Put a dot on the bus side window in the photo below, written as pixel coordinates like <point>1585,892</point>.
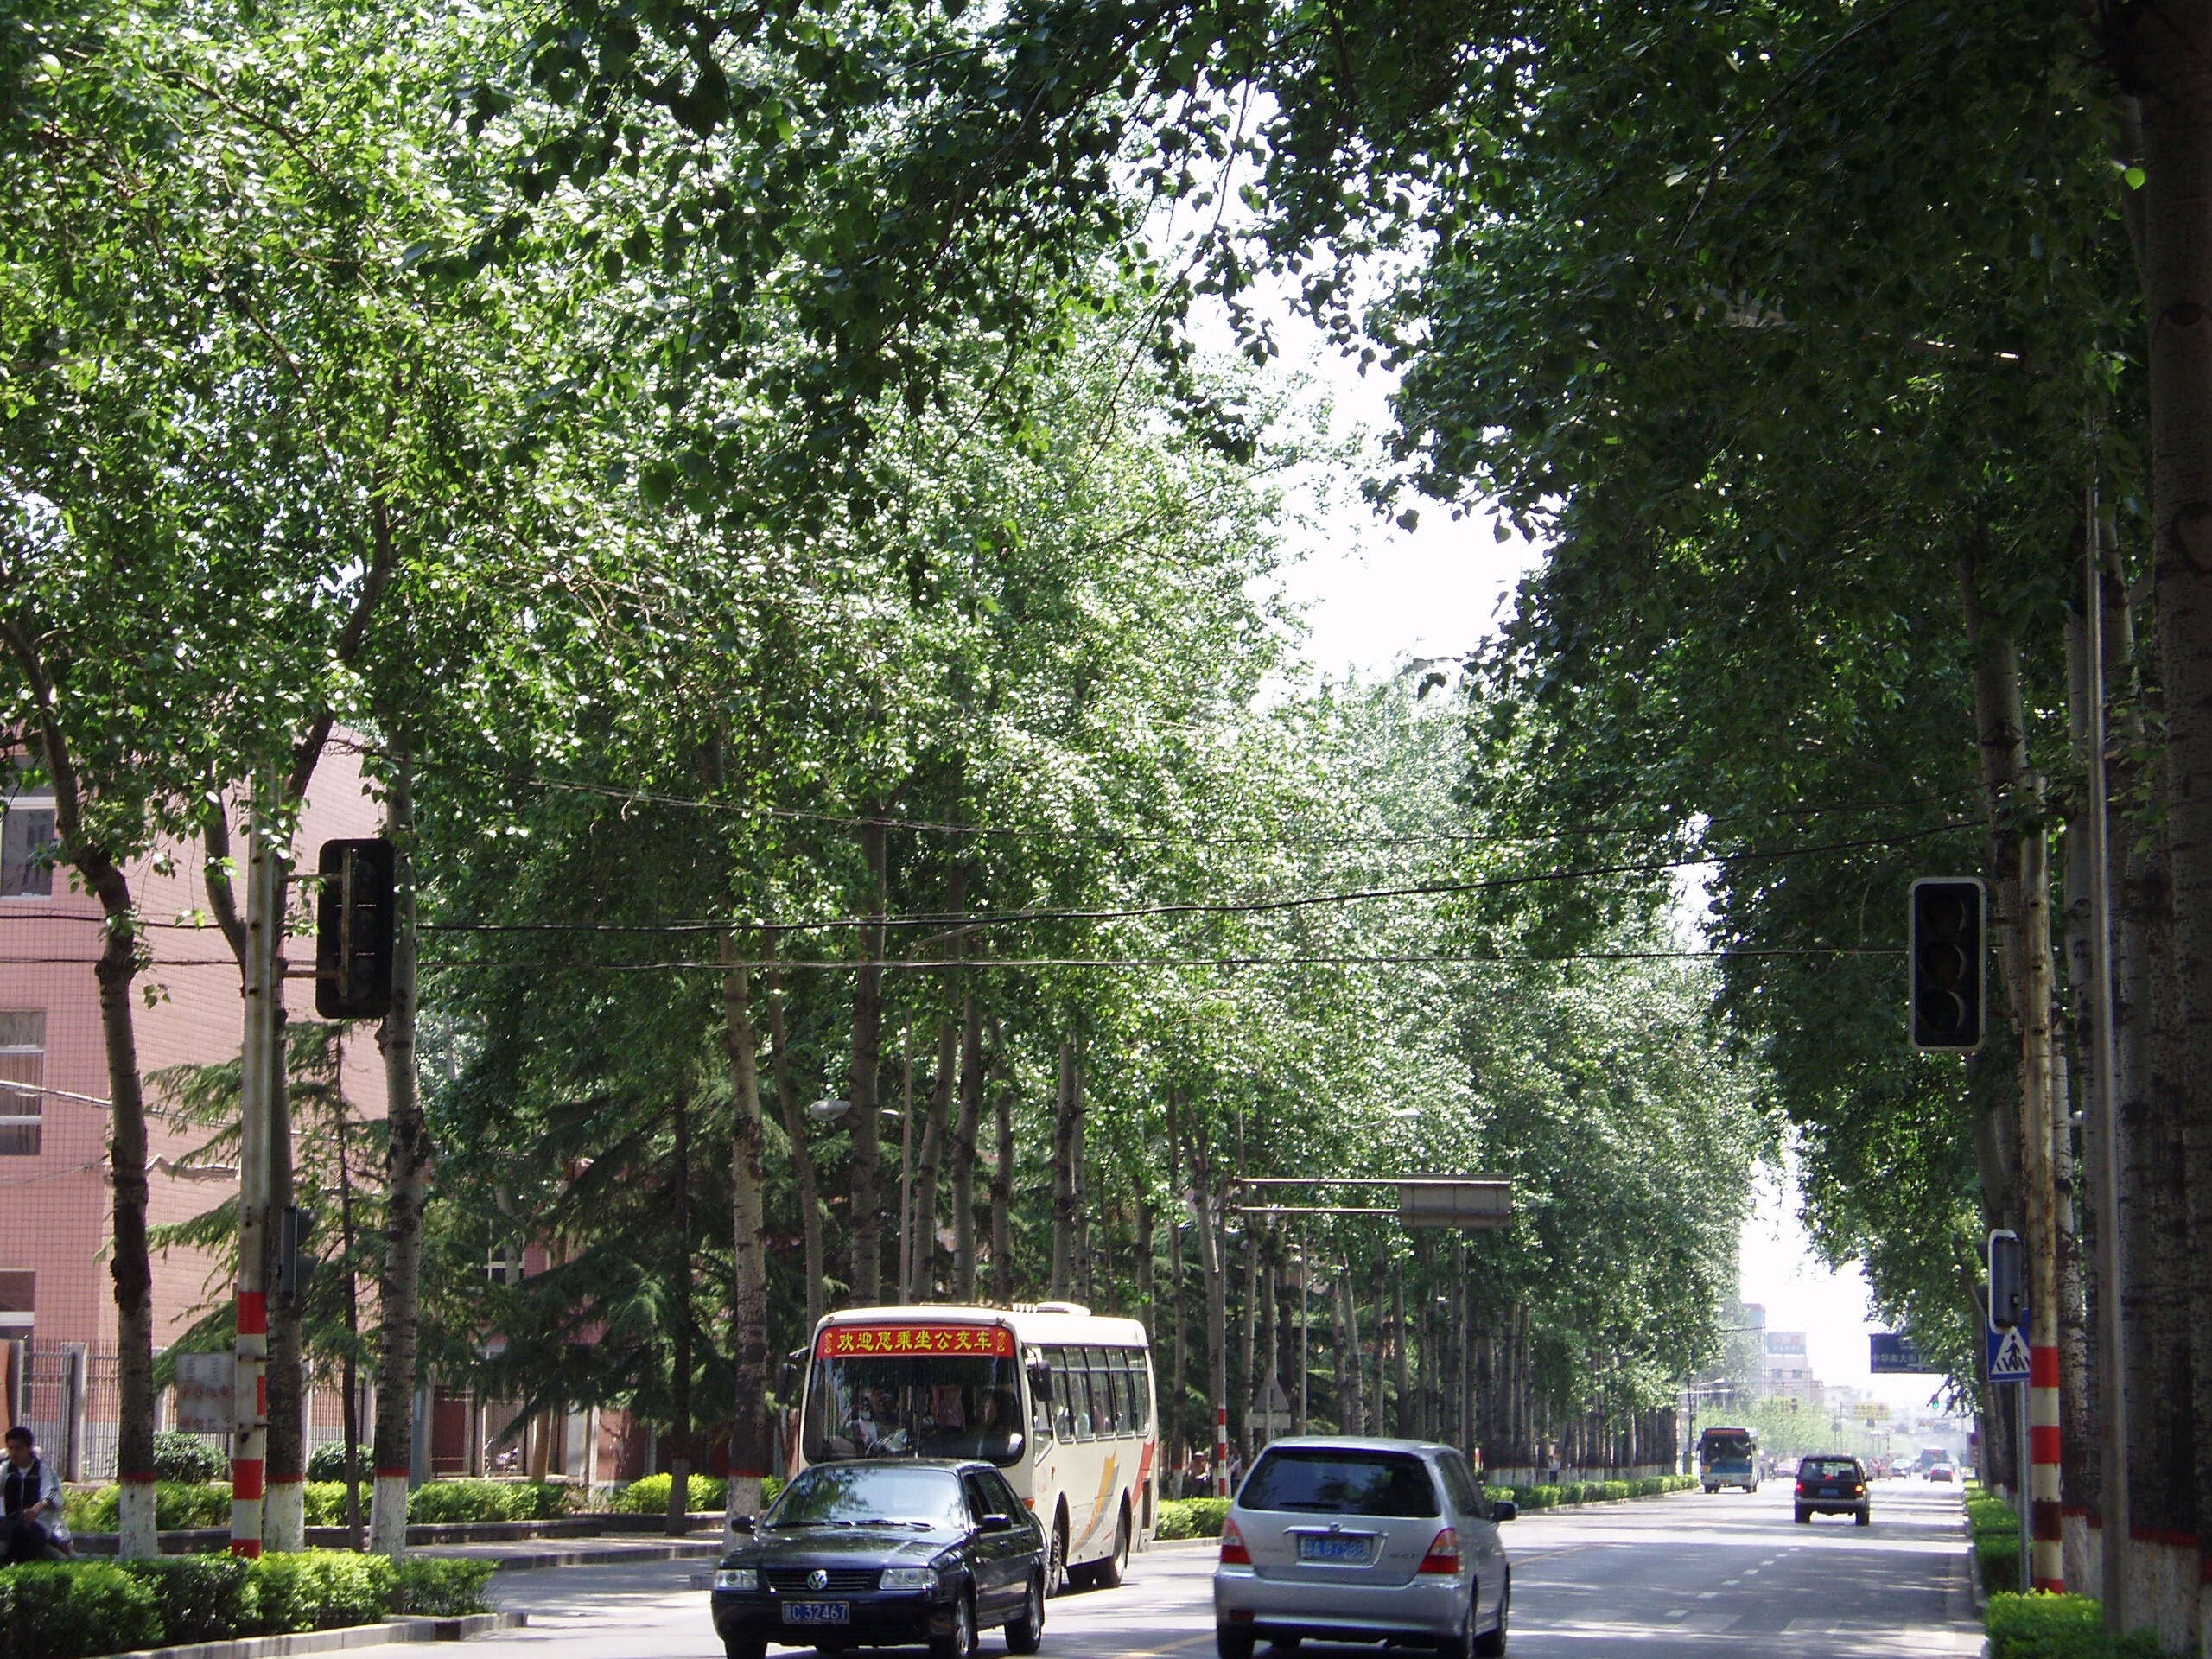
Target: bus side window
<point>1040,1401</point>
<point>1125,1398</point>
<point>1141,1374</point>
<point>1102,1392</point>
<point>1064,1408</point>
<point>1086,1395</point>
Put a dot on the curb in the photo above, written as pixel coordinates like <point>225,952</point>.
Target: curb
<point>540,1559</point>
<point>353,1636</point>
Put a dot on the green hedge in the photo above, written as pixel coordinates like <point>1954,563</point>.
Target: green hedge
<point>448,1502</point>
<point>2059,1627</point>
<point>1553,1494</point>
<point>79,1609</point>
<point>650,1495</point>
<point>1192,1517</point>
<point>178,1504</point>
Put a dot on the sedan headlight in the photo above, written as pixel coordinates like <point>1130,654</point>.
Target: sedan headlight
<point>737,1578</point>
<point>910,1578</point>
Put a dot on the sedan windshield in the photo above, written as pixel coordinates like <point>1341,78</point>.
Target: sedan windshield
<point>1321,1481</point>
<point>859,1495</point>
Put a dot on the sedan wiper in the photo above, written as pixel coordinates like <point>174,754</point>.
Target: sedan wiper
<point>886,1520</point>
<point>793,1526</point>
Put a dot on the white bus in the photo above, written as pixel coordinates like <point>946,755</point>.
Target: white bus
<point>1060,1398</point>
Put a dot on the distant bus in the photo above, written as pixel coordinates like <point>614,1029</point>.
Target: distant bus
<point>1060,1399</point>
<point>1728,1457</point>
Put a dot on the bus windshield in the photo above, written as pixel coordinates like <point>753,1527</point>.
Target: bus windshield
<point>912,1405</point>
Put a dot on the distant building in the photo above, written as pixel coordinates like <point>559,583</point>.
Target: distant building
<point>57,1304</point>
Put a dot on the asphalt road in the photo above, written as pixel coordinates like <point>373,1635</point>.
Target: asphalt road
<point>1682,1576</point>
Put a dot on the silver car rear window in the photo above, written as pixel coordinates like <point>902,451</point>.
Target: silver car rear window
<point>1315,1480</point>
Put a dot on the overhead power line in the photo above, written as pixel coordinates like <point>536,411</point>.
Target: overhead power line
<point>1409,959</point>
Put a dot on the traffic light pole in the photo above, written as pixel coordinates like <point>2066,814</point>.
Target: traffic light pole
<point>257,1077</point>
<point>2038,1129</point>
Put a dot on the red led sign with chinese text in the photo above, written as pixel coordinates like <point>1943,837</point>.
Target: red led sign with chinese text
<point>987,1340</point>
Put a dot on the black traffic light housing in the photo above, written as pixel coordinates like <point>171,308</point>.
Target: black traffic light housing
<point>2008,1282</point>
<point>353,929</point>
<point>1948,957</point>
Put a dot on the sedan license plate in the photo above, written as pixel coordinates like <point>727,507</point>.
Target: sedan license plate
<point>817,1613</point>
<point>1334,1549</point>
<point>1831,1491</point>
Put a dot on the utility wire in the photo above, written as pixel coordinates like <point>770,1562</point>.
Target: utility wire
<point>934,965</point>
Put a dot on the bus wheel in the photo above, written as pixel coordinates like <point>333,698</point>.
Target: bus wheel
<point>1056,1561</point>
<point>1110,1572</point>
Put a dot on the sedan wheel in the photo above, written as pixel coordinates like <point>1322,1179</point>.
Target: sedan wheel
<point>1232,1643</point>
<point>745,1647</point>
<point>1490,1644</point>
<point>1025,1633</point>
<point>1460,1644</point>
<point>961,1644</point>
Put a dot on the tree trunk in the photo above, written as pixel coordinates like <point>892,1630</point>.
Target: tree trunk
<point>406,1178</point>
<point>1404,1419</point>
<point>1172,1399</point>
<point>679,1462</point>
<point>965,1132</point>
<point>1067,1108</point>
<point>864,1225</point>
<point>935,1131</point>
<point>285,1522</point>
<point>128,1267</point>
<point>1002,1275</point>
<point>748,1435</point>
<point>2162,53</point>
<point>1265,1379</point>
<point>349,1375</point>
<point>1351,1419</point>
<point>1217,1279</point>
<point>804,1174</point>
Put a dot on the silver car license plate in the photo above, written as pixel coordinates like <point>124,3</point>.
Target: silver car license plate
<point>817,1613</point>
<point>1334,1549</point>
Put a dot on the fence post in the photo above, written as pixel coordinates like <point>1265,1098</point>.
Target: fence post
<point>72,1420</point>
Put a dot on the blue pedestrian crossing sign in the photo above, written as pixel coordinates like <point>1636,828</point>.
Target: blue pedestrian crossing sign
<point>2008,1355</point>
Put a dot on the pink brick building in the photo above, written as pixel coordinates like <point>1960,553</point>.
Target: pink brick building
<point>54,1287</point>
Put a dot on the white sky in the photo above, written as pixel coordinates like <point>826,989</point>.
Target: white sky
<point>1376,596</point>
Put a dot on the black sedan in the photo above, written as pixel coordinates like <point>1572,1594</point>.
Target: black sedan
<point>882,1555</point>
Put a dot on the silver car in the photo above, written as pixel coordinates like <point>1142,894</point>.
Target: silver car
<point>1355,1540</point>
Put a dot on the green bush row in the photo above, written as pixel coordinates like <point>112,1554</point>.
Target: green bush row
<point>78,1610</point>
<point>1192,1517</point>
<point>649,1495</point>
<point>2058,1627</point>
<point>179,1505</point>
<point>1552,1495</point>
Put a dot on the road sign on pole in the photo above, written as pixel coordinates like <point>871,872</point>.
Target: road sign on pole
<point>1891,1354</point>
<point>2008,1355</point>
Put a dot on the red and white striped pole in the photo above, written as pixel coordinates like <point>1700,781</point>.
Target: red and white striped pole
<point>2041,1123</point>
<point>257,1077</point>
<point>1221,1451</point>
<point>2049,1547</point>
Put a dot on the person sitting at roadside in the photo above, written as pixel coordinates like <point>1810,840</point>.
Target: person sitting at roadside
<point>30,1503</point>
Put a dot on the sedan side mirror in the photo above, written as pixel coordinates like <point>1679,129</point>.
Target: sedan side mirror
<point>1504,1509</point>
<point>995,1522</point>
<point>741,1523</point>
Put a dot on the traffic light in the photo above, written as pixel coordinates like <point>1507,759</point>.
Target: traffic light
<point>353,930</point>
<point>2008,1282</point>
<point>1948,958</point>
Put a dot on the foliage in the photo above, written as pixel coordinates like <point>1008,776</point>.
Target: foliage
<point>445,1502</point>
<point>178,1506</point>
<point>649,1495</point>
<point>427,1586</point>
<point>76,1610</point>
<point>1192,1517</point>
<point>327,1462</point>
<point>2059,1627</point>
<point>188,1458</point>
<point>322,1589</point>
<point>207,1598</point>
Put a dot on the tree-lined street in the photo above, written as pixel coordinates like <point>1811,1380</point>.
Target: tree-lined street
<point>1674,1578</point>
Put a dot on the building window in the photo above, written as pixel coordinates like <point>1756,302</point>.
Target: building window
<point>18,1297</point>
<point>26,830</point>
<point>22,1076</point>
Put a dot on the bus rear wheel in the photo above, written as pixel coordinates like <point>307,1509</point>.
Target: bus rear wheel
<point>1056,1559</point>
<point>1109,1574</point>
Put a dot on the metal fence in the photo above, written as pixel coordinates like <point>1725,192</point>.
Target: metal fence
<point>70,1396</point>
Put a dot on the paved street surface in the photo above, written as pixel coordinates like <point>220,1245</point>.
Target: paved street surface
<point>1681,1577</point>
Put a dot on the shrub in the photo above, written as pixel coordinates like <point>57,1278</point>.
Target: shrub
<point>1613,1490</point>
<point>75,1610</point>
<point>432,1588</point>
<point>451,1502</point>
<point>201,1597</point>
<point>325,1503</point>
<point>1192,1517</point>
<point>188,1458</point>
<point>321,1590</point>
<point>650,1495</point>
<point>327,1462</point>
<point>2059,1627</point>
<point>178,1504</point>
